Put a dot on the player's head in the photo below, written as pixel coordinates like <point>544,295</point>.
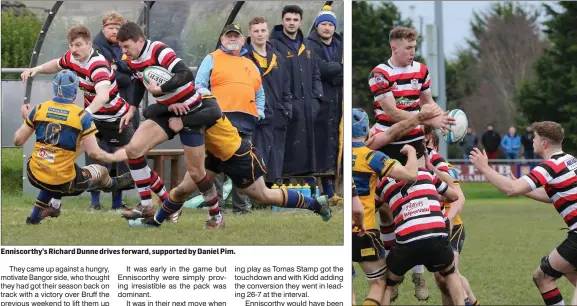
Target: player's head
<point>258,30</point>
<point>403,43</point>
<point>326,22</point>
<point>79,42</point>
<point>65,85</point>
<point>110,25</point>
<point>548,137</point>
<point>292,16</point>
<point>360,123</point>
<point>232,38</point>
<point>431,139</point>
<point>131,39</point>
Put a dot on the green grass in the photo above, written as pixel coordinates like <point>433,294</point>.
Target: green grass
<point>77,226</point>
<point>505,241</point>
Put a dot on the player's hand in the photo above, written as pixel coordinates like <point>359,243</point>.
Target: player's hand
<point>361,229</point>
<point>29,73</point>
<point>25,111</point>
<point>429,111</point>
<point>408,149</point>
<point>179,108</point>
<point>125,120</point>
<point>175,124</point>
<point>153,87</point>
<point>120,155</point>
<point>441,122</point>
<point>479,159</point>
<point>428,163</point>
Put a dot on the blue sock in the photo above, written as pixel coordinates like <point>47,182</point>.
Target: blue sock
<point>42,202</point>
<point>167,208</point>
<point>294,199</point>
<point>116,199</point>
<point>95,198</point>
<point>328,187</point>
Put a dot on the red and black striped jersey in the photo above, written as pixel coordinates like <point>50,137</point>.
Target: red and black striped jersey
<point>405,84</point>
<point>155,53</point>
<point>415,207</point>
<point>93,73</point>
<point>558,175</point>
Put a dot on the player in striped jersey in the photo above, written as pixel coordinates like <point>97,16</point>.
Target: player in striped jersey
<point>179,94</point>
<point>98,81</point>
<point>451,211</point>
<point>400,87</point>
<point>421,235</point>
<point>552,181</point>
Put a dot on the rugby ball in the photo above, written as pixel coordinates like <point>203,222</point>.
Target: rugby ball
<point>457,131</point>
<point>159,74</point>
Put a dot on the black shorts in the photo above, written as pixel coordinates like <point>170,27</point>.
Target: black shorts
<point>434,253</point>
<point>109,133</point>
<point>568,248</point>
<point>73,188</point>
<point>368,247</point>
<point>458,238</point>
<point>394,150</point>
<point>244,168</point>
<point>189,136</point>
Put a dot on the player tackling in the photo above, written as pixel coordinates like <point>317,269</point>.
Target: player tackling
<point>552,181</point>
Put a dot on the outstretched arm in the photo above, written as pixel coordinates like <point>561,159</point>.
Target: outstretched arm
<point>506,185</point>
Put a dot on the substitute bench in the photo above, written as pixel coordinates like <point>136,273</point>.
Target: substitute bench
<point>158,156</point>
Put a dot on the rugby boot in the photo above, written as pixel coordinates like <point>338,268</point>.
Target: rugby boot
<point>324,210</point>
<point>92,208</point>
<point>119,183</point>
<point>140,211</point>
<point>395,290</point>
<point>50,212</point>
<point>174,217</point>
<point>213,222</point>
<point>421,288</point>
<point>143,222</point>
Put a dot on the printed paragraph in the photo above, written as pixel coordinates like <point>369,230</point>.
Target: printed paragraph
<point>139,283</point>
<point>55,286</point>
<point>287,286</point>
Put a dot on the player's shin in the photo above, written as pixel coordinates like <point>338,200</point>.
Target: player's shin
<point>294,199</point>
<point>42,203</point>
<point>140,172</point>
<point>171,205</point>
<point>209,195</point>
<point>157,186</point>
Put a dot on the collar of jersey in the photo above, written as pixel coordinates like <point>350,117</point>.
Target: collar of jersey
<point>62,100</point>
<point>358,144</point>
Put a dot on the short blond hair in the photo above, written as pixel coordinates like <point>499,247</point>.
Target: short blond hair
<point>113,17</point>
<point>403,33</point>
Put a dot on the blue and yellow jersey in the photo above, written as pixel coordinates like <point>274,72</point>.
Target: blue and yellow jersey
<point>454,175</point>
<point>221,139</point>
<point>368,166</point>
<point>59,126</point>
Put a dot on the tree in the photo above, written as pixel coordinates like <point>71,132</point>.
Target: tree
<point>550,94</point>
<point>372,23</point>
<point>20,29</point>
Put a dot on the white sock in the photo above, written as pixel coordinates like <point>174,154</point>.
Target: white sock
<point>55,203</point>
<point>419,269</point>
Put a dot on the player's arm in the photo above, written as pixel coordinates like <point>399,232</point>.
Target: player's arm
<point>426,96</point>
<point>395,170</point>
<point>358,210</point>
<point>49,67</point>
<point>538,194</point>
<point>447,190</point>
<point>88,140</point>
<point>182,75</point>
<point>456,205</point>
<point>102,96</point>
<point>27,128</point>
<point>506,185</point>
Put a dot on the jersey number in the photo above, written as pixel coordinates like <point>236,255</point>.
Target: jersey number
<point>52,133</point>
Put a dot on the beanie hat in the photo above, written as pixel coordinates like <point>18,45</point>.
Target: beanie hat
<point>326,14</point>
<point>65,85</point>
<point>360,123</point>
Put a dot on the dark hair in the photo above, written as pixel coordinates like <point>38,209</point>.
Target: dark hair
<point>295,9</point>
<point>130,30</point>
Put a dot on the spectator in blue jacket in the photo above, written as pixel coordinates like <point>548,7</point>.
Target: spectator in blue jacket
<point>511,143</point>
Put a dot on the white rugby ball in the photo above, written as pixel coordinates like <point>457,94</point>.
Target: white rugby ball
<point>457,131</point>
<point>159,74</point>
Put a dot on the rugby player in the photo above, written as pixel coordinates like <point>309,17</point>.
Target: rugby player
<point>98,81</point>
<point>552,181</point>
<point>446,171</point>
<point>228,153</point>
<point>180,95</point>
<point>62,129</point>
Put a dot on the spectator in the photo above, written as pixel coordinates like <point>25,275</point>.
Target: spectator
<point>328,47</point>
<point>511,143</point>
<point>236,83</point>
<point>491,141</point>
<point>527,141</point>
<point>469,142</point>
<point>270,133</point>
<point>306,90</point>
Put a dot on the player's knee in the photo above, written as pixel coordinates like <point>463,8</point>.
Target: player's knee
<point>545,273</point>
<point>180,194</point>
<point>133,151</point>
<point>196,172</point>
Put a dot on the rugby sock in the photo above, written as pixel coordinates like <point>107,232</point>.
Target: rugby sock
<point>116,199</point>
<point>157,186</point>
<point>328,187</point>
<point>467,302</point>
<point>41,204</point>
<point>140,172</point>
<point>56,201</point>
<point>370,302</point>
<point>95,198</point>
<point>167,208</point>
<point>419,269</point>
<point>208,191</point>
<point>294,199</point>
<point>476,303</point>
<point>553,297</point>
<point>387,236</point>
